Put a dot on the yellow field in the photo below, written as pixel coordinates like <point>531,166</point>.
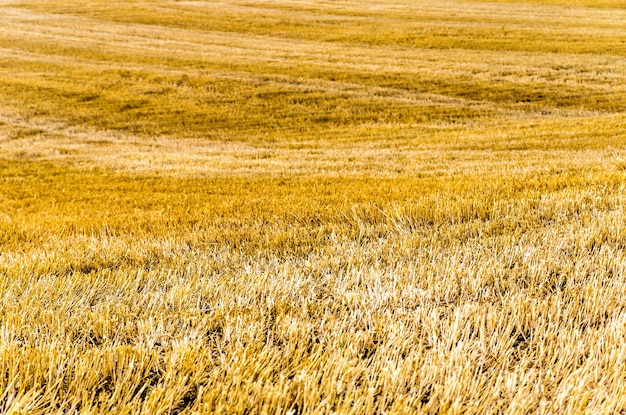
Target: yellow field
<point>298,207</point>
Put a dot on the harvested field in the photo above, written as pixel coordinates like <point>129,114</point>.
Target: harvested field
<point>312,207</point>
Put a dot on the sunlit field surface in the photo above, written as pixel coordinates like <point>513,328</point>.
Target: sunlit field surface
<point>312,207</point>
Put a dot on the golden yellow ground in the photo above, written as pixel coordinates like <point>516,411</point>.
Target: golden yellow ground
<point>279,206</point>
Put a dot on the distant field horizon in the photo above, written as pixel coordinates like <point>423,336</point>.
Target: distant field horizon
<point>312,207</point>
